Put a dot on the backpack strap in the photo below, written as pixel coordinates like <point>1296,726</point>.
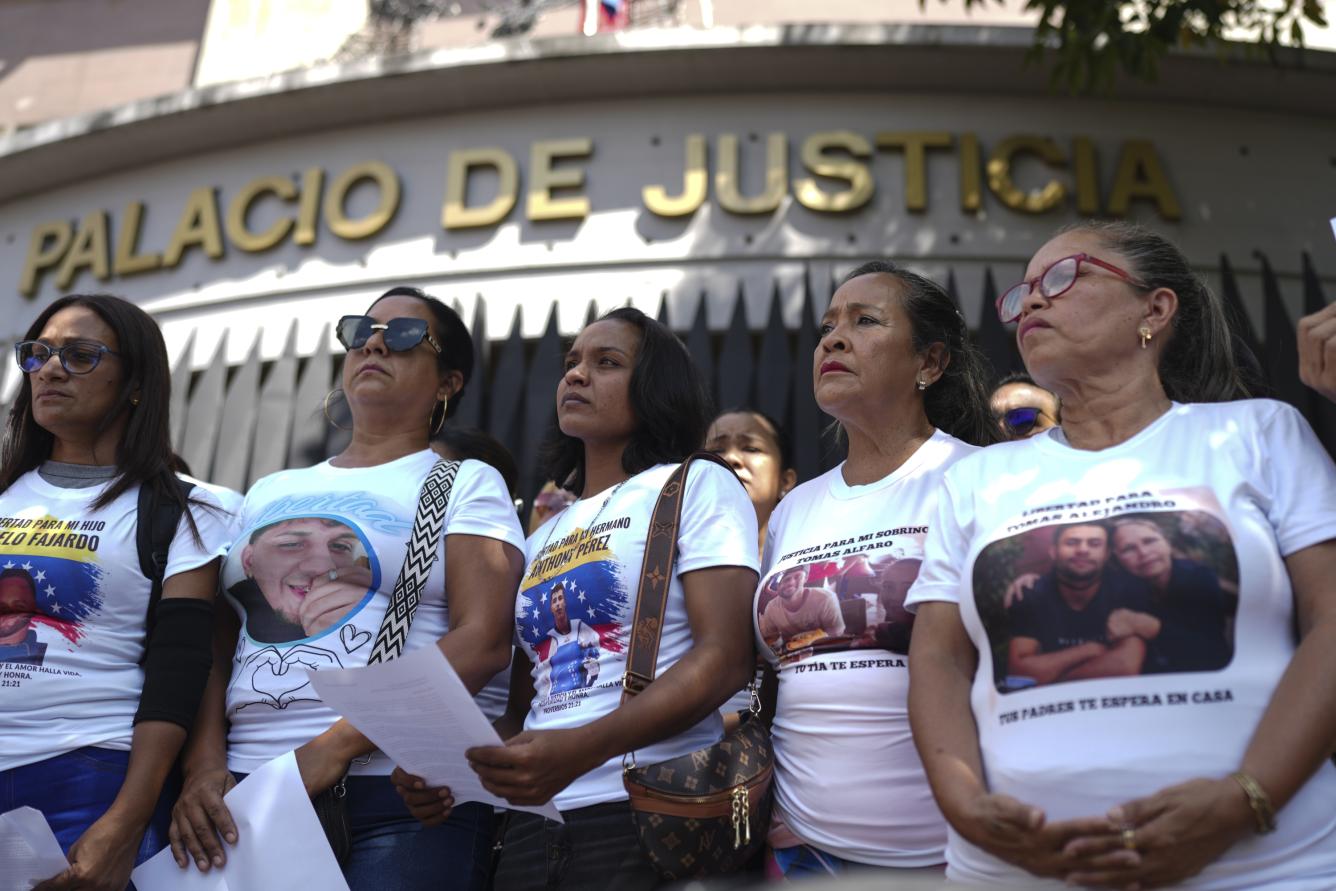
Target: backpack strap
<point>155,527</point>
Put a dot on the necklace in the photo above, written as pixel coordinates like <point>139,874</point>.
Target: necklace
<point>592,523</point>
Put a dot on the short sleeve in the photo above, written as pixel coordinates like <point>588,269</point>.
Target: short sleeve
<point>480,505</point>
<point>217,527</point>
<point>944,550</point>
<point>1300,480</point>
<point>718,525</point>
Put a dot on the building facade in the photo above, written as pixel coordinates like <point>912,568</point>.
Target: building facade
<point>721,178</point>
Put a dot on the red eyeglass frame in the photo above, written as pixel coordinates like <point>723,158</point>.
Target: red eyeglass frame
<point>1079,258</point>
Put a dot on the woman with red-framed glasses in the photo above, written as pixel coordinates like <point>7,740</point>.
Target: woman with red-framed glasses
<point>1060,730</point>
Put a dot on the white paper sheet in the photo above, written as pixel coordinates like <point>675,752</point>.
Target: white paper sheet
<point>418,712</point>
<point>280,845</point>
<point>29,852</point>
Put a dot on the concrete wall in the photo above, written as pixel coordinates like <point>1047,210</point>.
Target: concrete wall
<point>66,57</point>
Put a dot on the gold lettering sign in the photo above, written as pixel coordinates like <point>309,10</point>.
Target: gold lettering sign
<point>89,251</point>
<point>1140,176</point>
<point>1002,185</point>
<point>387,184</point>
<point>46,246</point>
<point>456,213</point>
<point>837,177</point>
<point>915,145</point>
<point>544,178</point>
<point>198,227</point>
<point>855,173</point>
<point>308,209</point>
<point>728,184</point>
<point>695,185</point>
<point>128,260</point>
<point>239,234</point>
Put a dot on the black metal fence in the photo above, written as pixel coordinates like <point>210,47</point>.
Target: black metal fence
<point>236,424</point>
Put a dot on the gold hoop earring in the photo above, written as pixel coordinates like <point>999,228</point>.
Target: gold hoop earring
<point>441,423</point>
<point>335,424</point>
<point>1145,335</point>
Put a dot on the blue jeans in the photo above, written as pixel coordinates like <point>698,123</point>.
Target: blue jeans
<point>391,851</point>
<point>73,790</point>
<point>596,848</point>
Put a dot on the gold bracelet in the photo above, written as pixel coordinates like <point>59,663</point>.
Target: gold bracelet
<point>1258,800</point>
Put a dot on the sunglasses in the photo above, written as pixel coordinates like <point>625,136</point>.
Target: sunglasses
<point>399,335</point>
<point>1020,421</point>
<point>1054,281</point>
<point>76,358</point>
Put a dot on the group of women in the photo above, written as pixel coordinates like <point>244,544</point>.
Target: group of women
<point>881,598</point>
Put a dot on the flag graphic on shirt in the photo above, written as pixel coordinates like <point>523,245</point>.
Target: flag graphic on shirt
<point>571,609</point>
<point>49,573</point>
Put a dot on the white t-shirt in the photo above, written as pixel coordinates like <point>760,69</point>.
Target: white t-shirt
<point>1197,512</point>
<point>588,560</point>
<point>73,612</point>
<point>298,526</point>
<point>829,617</point>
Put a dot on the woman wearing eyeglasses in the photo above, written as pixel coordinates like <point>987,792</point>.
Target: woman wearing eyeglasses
<point>1056,743</point>
<point>310,577</point>
<point>97,688</point>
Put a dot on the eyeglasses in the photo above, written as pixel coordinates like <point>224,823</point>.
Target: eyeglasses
<point>399,335</point>
<point>76,358</point>
<point>1054,281</point>
<point>1020,421</point>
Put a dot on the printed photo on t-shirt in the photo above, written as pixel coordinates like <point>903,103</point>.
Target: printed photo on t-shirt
<point>300,576</point>
<point>855,600</point>
<point>50,585</point>
<point>571,610</point>
<point>1120,593</point>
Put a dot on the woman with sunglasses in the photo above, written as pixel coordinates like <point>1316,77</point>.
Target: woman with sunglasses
<point>97,689</point>
<point>310,577</point>
<point>630,406</point>
<point>895,368</point>
<point>1022,407</point>
<point>1107,771</point>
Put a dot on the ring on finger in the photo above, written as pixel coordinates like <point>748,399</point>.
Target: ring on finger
<point>1129,838</point>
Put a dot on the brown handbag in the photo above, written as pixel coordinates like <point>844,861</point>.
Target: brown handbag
<point>707,812</point>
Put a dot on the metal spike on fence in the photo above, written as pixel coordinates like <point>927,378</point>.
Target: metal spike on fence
<point>992,337</point>
<point>1281,359</point>
<point>309,426</point>
<point>951,290</point>
<point>803,424</point>
<point>774,363</point>
<point>736,369</point>
<point>591,313</point>
<point>508,388</point>
<point>469,412</point>
<point>180,393</point>
<point>236,435</point>
<point>698,343</point>
<point>276,408</point>
<point>539,403</point>
<point>204,416</point>
<point>1235,312</point>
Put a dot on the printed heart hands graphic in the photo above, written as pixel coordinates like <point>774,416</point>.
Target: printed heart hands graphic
<point>272,677</point>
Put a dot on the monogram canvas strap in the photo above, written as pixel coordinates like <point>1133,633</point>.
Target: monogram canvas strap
<point>423,545</point>
<point>656,575</point>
